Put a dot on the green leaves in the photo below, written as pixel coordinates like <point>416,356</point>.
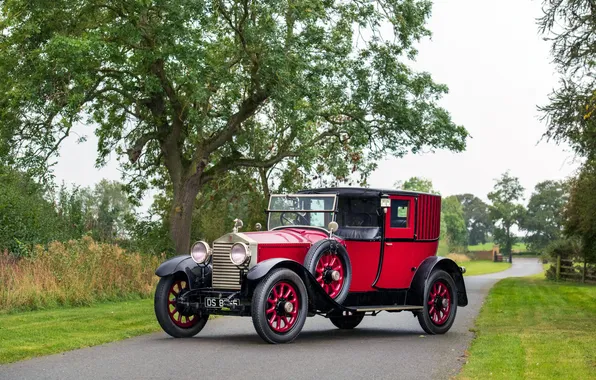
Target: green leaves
<point>505,210</point>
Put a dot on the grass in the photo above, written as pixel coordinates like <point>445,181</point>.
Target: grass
<point>29,334</point>
<point>75,273</point>
<point>477,267</point>
<point>519,247</point>
<point>531,328</point>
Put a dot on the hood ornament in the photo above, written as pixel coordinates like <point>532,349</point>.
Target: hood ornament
<point>237,225</point>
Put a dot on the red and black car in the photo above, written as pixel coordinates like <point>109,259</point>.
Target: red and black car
<point>342,253</point>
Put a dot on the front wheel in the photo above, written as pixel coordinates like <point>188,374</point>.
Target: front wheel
<point>172,319</point>
<point>440,303</point>
<point>279,306</point>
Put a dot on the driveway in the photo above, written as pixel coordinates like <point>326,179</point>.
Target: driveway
<point>388,346</point>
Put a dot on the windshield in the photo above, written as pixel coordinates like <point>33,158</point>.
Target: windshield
<point>301,210</point>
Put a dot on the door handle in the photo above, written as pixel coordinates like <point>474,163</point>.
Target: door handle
<point>388,243</point>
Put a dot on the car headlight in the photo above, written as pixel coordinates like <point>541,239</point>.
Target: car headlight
<point>239,254</point>
<point>200,252</point>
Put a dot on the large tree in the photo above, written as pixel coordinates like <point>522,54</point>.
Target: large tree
<point>543,221</point>
<point>570,26</point>
<point>190,90</point>
<point>505,211</point>
<point>477,218</point>
<point>580,218</point>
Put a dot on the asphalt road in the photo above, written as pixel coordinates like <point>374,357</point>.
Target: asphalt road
<point>388,346</point>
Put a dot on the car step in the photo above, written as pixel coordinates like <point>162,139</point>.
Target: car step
<point>384,307</point>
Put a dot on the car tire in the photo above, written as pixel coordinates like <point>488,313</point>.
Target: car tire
<point>174,322</point>
<point>439,303</point>
<point>322,258</point>
<point>347,320</point>
<point>272,318</point>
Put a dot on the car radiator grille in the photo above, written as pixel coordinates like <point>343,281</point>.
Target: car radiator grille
<point>225,274</point>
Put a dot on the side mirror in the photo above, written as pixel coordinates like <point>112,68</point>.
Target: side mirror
<point>258,226</point>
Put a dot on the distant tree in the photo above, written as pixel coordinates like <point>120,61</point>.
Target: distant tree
<point>505,210</point>
<point>453,215</point>
<point>477,218</point>
<point>570,25</point>
<point>417,184</point>
<point>27,216</point>
<point>187,91</point>
<point>544,219</point>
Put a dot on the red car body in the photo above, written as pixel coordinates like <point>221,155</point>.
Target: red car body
<point>381,255</point>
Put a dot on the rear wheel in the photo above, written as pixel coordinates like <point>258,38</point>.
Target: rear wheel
<point>173,319</point>
<point>279,306</point>
<point>440,303</point>
<point>347,320</point>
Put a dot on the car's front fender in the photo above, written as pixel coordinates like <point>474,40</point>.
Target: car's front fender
<point>198,275</point>
<point>318,298</point>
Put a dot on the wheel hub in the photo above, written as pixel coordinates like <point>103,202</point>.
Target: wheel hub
<point>288,307</point>
<point>445,302</point>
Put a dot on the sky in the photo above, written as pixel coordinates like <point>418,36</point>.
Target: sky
<point>498,70</point>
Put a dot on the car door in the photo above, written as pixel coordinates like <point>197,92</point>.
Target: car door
<point>396,269</point>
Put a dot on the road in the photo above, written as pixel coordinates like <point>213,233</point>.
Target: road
<point>388,346</point>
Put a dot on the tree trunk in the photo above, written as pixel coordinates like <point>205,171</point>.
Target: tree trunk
<point>181,214</point>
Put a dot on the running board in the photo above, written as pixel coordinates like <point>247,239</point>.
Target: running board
<point>385,308</point>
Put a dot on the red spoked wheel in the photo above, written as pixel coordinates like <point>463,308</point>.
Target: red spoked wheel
<point>328,261</point>
<point>184,321</point>
<point>283,305</point>
<point>279,306</point>
<point>173,319</point>
<point>439,303</point>
<point>330,273</point>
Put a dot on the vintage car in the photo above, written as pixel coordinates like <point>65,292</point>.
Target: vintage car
<point>342,253</point>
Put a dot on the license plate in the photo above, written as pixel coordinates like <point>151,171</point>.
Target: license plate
<point>218,303</point>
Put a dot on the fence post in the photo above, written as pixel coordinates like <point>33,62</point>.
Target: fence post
<point>584,272</point>
<point>558,268</point>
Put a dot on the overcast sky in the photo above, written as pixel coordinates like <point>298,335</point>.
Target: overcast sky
<point>498,70</point>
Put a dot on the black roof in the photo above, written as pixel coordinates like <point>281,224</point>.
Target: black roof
<point>361,191</point>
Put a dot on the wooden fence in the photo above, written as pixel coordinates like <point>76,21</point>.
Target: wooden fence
<point>574,271</point>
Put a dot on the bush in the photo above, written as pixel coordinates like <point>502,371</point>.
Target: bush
<point>76,273</point>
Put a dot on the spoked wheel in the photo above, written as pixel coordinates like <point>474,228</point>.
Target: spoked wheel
<point>279,306</point>
<point>173,319</point>
<point>440,303</point>
<point>328,262</point>
<point>346,320</point>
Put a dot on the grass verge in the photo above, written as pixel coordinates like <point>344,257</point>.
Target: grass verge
<point>29,334</point>
<point>531,328</point>
<point>477,267</point>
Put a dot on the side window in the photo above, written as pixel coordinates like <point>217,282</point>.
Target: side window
<point>399,213</point>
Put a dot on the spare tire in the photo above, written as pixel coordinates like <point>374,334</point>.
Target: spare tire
<point>327,260</point>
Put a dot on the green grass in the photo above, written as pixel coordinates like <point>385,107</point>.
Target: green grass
<point>534,329</point>
<point>35,333</point>
<point>474,268</point>
<point>520,247</point>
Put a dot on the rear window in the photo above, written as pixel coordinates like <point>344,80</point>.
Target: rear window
<point>399,213</point>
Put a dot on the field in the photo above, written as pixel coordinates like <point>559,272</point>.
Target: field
<point>35,333</point>
<point>519,247</point>
<point>474,268</point>
<point>530,328</point>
